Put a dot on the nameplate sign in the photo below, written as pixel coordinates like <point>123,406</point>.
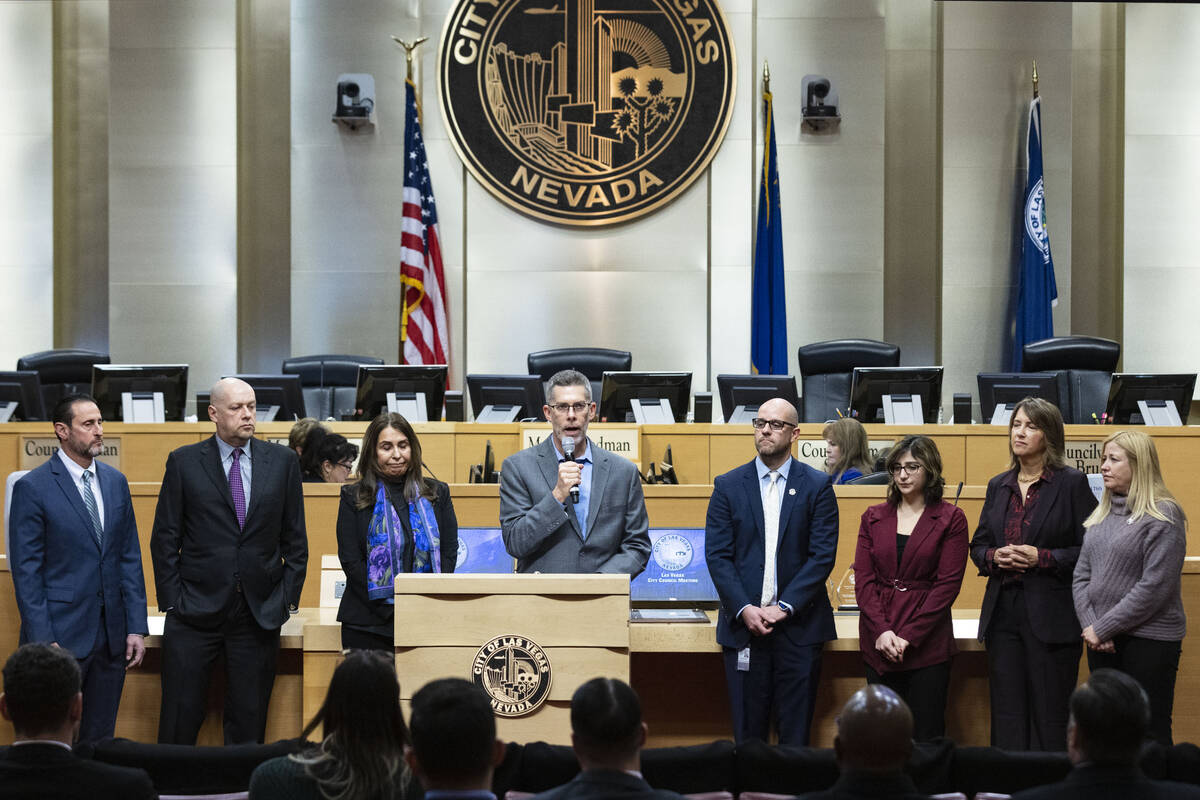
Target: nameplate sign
<point>620,438</point>
<point>814,451</point>
<point>37,450</point>
<point>1084,456</point>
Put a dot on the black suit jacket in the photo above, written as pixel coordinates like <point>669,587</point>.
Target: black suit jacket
<point>199,553</point>
<point>600,783</point>
<point>1092,782</point>
<point>808,535</point>
<point>356,608</point>
<point>1063,503</point>
<point>863,785</point>
<point>39,771</point>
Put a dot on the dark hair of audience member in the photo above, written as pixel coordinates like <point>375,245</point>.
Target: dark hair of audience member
<point>40,682</point>
<point>1110,713</point>
<point>875,731</point>
<point>64,409</point>
<point>362,752</point>
<point>301,430</point>
<point>606,719</point>
<point>453,731</point>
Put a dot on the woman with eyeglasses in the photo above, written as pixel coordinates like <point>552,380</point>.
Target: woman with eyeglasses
<point>329,458</point>
<point>847,455</point>
<point>1027,543</point>
<point>394,520</point>
<point>908,569</point>
<point>1127,581</point>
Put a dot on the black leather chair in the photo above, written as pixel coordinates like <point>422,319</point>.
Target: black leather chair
<point>62,372</point>
<point>591,361</point>
<point>827,370</point>
<point>1089,362</point>
<point>329,381</point>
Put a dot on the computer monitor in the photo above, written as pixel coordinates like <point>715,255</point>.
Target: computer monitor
<point>870,384</point>
<point>409,383</point>
<point>624,396</point>
<point>509,397</point>
<point>23,388</point>
<point>1009,388</point>
<point>1127,389</point>
<point>676,571</point>
<point>157,392</point>
<point>481,551</point>
<point>741,395</point>
<point>282,393</point>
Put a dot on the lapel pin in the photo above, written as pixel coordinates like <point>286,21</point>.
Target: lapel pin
<point>791,491</point>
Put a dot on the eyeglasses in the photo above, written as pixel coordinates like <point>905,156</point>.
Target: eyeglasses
<point>776,424</point>
<point>346,465</point>
<point>563,408</point>
<point>910,468</point>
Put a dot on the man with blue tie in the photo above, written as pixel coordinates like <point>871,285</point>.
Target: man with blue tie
<point>77,565</point>
<point>770,541</point>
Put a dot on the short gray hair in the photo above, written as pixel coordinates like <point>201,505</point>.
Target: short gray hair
<point>568,377</point>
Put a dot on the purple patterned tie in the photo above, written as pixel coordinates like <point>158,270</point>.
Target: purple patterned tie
<point>235,488</point>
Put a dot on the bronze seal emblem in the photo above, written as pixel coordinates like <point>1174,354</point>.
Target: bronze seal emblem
<point>586,112</point>
<point>515,673</point>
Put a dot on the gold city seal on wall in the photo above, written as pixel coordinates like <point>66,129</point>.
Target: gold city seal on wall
<point>586,112</point>
<point>515,673</point>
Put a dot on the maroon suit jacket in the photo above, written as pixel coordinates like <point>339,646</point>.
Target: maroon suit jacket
<point>912,601</point>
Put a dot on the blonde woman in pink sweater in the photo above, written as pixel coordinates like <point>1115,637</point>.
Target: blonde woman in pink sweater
<point>1127,580</point>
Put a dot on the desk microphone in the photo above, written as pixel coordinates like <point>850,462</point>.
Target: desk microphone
<point>958,493</point>
<point>568,444</point>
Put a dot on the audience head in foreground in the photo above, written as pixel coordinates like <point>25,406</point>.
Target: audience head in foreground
<point>454,745</point>
<point>607,731</point>
<point>1109,718</point>
<point>43,701</point>
<point>42,696</point>
<point>362,752</point>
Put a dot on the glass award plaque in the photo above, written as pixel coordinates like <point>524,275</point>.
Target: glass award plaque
<point>846,600</point>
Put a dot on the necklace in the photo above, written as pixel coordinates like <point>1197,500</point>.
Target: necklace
<point>1027,479</point>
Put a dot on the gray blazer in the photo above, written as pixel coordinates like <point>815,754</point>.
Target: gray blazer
<point>543,537</point>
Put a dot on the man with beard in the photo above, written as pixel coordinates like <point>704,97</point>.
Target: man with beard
<point>770,540</point>
<point>76,563</point>
<point>569,505</point>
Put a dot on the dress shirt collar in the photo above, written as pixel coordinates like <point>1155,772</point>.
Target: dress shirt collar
<point>74,469</point>
<point>458,794</point>
<point>63,745</point>
<point>226,449</point>
<point>763,470</point>
<point>581,456</point>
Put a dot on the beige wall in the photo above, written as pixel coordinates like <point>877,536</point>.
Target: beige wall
<point>1162,172</point>
<point>173,185</point>
<point>26,148</point>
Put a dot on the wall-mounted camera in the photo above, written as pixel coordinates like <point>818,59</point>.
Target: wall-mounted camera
<point>820,109</point>
<point>355,100</point>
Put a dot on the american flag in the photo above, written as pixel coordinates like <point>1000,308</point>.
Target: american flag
<point>424,334</point>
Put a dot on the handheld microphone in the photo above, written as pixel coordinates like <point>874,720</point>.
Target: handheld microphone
<point>957,493</point>
<point>568,444</point>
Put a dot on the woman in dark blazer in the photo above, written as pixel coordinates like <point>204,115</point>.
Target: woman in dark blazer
<point>376,521</point>
<point>1027,543</point>
<point>908,569</point>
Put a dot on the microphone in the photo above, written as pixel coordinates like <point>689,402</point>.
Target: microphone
<point>957,493</point>
<point>568,444</point>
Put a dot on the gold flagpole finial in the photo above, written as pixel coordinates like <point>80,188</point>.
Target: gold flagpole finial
<point>1035,79</point>
<point>409,49</point>
<point>766,77</point>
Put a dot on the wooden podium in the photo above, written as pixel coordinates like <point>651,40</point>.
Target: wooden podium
<point>512,634</point>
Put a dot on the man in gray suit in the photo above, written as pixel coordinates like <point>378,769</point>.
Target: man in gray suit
<point>567,505</point>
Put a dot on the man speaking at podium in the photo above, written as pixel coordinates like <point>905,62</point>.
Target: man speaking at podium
<point>568,505</point>
<point>770,540</point>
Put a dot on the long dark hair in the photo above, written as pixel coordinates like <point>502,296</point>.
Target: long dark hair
<point>369,474</point>
<point>362,752</point>
<point>924,452</point>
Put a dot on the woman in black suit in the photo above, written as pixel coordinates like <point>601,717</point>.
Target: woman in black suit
<point>393,520</point>
<point>1027,543</point>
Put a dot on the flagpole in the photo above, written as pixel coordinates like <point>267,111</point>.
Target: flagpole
<point>1035,79</point>
<point>409,50</point>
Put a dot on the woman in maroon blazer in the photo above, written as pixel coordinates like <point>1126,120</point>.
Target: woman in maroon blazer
<point>908,568</point>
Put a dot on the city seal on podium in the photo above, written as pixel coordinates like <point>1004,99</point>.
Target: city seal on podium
<point>515,673</point>
<point>586,112</point>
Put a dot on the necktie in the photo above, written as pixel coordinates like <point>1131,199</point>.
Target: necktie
<point>89,500</point>
<point>771,539</point>
<point>235,488</point>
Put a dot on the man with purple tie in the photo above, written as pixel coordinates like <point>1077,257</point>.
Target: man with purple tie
<point>229,551</point>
